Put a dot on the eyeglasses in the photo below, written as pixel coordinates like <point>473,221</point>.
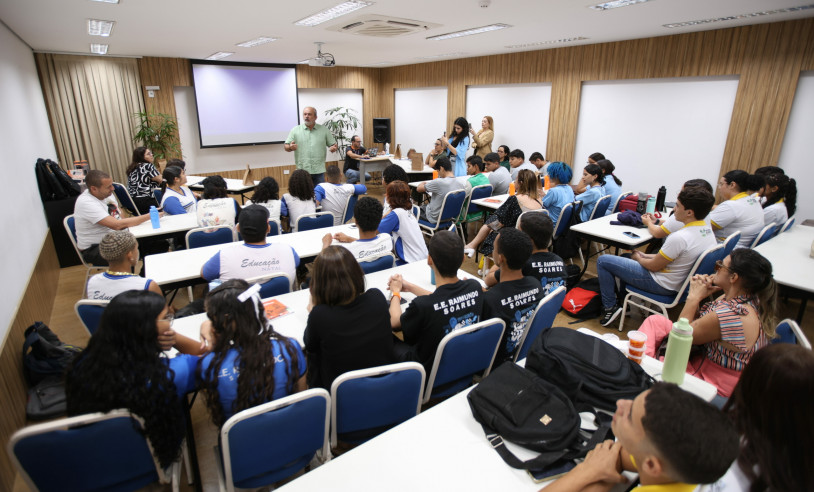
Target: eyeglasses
<point>720,264</point>
<point>169,318</point>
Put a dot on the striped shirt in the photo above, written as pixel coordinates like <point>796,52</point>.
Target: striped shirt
<point>729,317</point>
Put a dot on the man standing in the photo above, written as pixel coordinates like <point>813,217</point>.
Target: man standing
<point>352,156</point>
<point>308,142</point>
<point>499,177</point>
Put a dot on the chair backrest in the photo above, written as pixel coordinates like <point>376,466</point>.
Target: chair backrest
<point>208,236</point>
<point>788,225</point>
<point>272,441</point>
<point>520,217</point>
<point>600,207</point>
<point>349,204</point>
<point>541,320</point>
<point>463,353</point>
<point>90,312</point>
<point>367,402</point>
<point>704,265</point>
<point>274,228</point>
<point>272,285</point>
<point>378,264</point>
<point>788,331</point>
<point>765,234</point>
<point>619,199</point>
<point>319,220</point>
<point>478,192</point>
<point>125,199</point>
<point>564,219</point>
<point>69,223</point>
<point>158,195</point>
<point>730,242</point>
<point>97,451</point>
<point>451,206</point>
<point>416,212</point>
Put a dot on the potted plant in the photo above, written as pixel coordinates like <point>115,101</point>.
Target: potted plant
<point>159,132</point>
<point>343,124</point>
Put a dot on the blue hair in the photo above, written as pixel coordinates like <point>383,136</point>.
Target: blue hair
<point>560,171</point>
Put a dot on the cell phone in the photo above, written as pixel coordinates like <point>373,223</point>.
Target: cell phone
<point>555,470</point>
<point>631,234</point>
<point>445,133</point>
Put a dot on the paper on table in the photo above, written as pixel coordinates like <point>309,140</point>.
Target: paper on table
<point>491,200</point>
<point>275,309</point>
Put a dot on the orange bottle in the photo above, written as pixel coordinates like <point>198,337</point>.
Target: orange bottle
<point>435,175</point>
<point>511,188</point>
<point>547,183</point>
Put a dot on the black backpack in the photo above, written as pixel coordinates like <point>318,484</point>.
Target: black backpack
<point>70,186</point>
<point>589,370</point>
<point>584,300</point>
<point>44,354</point>
<point>515,404</point>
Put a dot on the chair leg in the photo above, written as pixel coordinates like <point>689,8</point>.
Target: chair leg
<point>189,291</point>
<point>187,467</point>
<point>624,312</point>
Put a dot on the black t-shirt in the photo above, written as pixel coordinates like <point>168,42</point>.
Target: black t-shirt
<point>345,338</point>
<point>546,267</point>
<point>350,162</point>
<point>513,302</point>
<point>429,318</point>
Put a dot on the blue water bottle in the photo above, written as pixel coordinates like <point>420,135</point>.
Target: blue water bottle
<point>154,217</point>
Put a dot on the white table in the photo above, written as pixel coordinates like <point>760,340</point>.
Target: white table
<point>792,265</point>
<point>235,186</point>
<point>600,230</point>
<point>169,224</point>
<point>490,202</point>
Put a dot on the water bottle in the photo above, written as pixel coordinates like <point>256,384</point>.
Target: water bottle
<point>660,197</point>
<point>651,204</point>
<point>547,182</point>
<point>641,205</point>
<point>154,217</point>
<point>679,344</point>
<point>511,188</point>
<point>387,148</point>
<point>432,276</point>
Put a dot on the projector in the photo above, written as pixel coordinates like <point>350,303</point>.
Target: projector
<point>322,61</point>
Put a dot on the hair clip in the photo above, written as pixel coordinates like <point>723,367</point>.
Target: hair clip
<point>251,291</point>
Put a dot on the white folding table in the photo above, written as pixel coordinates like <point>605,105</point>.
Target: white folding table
<point>235,186</point>
<point>169,225</point>
<point>792,266</point>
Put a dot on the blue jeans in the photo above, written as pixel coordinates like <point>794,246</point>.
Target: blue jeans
<point>318,178</point>
<point>352,176</point>
<point>628,271</point>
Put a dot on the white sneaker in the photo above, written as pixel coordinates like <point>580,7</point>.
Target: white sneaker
<point>469,252</point>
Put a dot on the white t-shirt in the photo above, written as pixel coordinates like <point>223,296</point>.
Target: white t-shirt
<point>671,224</point>
<point>216,211</point>
<point>88,211</point>
<point>187,199</point>
<point>734,480</point>
<point>742,213</point>
<point>407,237</point>
<point>246,261</point>
<point>366,249</point>
<point>777,213</point>
<point>333,198</point>
<point>104,286</point>
<point>683,248</point>
<point>296,208</point>
<point>526,165</point>
<point>273,206</point>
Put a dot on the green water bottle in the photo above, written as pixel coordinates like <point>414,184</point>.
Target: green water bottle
<point>679,344</point>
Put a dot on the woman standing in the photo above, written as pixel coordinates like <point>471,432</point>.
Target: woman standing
<point>458,145</point>
<point>482,141</point>
<point>176,198</point>
<point>141,174</point>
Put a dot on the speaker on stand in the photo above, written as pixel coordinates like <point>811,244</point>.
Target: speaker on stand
<point>381,130</point>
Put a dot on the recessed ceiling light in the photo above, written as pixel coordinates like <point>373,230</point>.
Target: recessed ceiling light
<point>105,1</point>
<point>256,42</point>
<point>445,55</point>
<point>219,55</point>
<point>98,27</point>
<point>615,4</point>
<point>741,16</point>
<point>333,12</point>
<point>469,32</point>
<point>99,49</point>
<point>543,43</point>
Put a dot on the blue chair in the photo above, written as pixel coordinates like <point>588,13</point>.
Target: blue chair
<point>564,220</point>
<point>158,195</point>
<point>209,236</point>
<point>788,331</point>
<point>90,312</point>
<point>462,354</point>
<point>788,225</point>
<point>69,223</point>
<point>272,285</point>
<point>416,212</point>
<point>541,320</point>
<point>730,242</point>
<point>600,207</point>
<point>270,442</point>
<point>274,229</point>
<point>765,234</point>
<point>622,196</point>
<point>378,264</point>
<point>478,192</point>
<point>367,402</point>
<point>451,207</point>
<point>319,220</point>
<point>529,212</point>
<point>349,204</point>
<point>704,265</point>
<point>97,451</point>
<point>125,199</point>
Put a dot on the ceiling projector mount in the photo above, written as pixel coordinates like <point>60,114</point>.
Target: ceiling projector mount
<point>322,59</point>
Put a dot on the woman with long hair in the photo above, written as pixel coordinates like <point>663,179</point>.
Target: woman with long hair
<point>613,185</point>
<point>739,211</point>
<point>560,193</point>
<point>348,328</point>
<point>300,199</point>
<point>408,241</point>
<point>176,197</point>
<point>482,140</point>
<point>593,181</point>
<point>250,364</point>
<point>215,206</point>
<point>503,152</point>
<point>730,329</point>
<point>457,144</point>
<point>780,193</point>
<point>267,194</point>
<point>526,198</point>
<point>122,367</point>
<point>142,175</point>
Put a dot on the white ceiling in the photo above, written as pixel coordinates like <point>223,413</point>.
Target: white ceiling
<point>198,28</point>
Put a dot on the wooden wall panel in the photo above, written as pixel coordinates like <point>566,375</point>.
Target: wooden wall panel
<point>36,305</point>
<point>165,73</point>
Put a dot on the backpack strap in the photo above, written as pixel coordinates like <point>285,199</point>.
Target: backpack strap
<point>541,461</point>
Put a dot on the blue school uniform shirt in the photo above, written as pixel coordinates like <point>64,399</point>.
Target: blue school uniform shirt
<point>589,199</point>
<point>183,367</point>
<point>612,189</point>
<point>556,198</point>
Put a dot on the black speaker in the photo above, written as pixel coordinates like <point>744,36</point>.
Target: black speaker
<point>381,130</point>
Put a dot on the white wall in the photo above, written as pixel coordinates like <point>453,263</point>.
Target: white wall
<point>520,113</point>
<point>231,158</point>
<point>656,131</point>
<point>421,117</point>
<point>24,136</point>
<point>795,156</point>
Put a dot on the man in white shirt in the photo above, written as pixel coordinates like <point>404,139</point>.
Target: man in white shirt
<point>517,161</point>
<point>367,213</point>
<point>539,162</point>
<point>499,176</point>
<point>96,213</point>
<point>333,195</point>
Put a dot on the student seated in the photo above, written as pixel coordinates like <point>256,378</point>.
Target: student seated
<point>437,151</point>
<point>120,250</point>
<point>594,158</point>
<point>539,162</point>
<point>613,185</point>
<point>122,367</point>
<point>402,225</point>
<point>671,438</point>
<point>661,227</point>
<point>454,304</point>
<point>267,194</point>
<point>439,188</point>
<point>780,193</point>
<point>560,194</point>
<point>518,163</point>
<point>250,363</point>
<point>216,207</point>
<point>351,167</point>
<point>543,265</point>
<point>593,180</point>
<point>300,197</point>
<point>142,176</point>
<point>176,198</point>
<point>254,257</point>
<point>371,244</point>
<point>665,272</point>
<point>391,173</point>
<point>514,298</point>
<point>348,328</point>
<point>731,328</point>
<point>474,169</point>
<point>333,195</point>
<point>738,212</point>
<point>499,176</point>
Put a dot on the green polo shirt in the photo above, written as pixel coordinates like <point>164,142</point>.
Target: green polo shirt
<point>312,147</point>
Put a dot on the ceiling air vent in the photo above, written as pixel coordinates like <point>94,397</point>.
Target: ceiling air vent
<point>383,27</point>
